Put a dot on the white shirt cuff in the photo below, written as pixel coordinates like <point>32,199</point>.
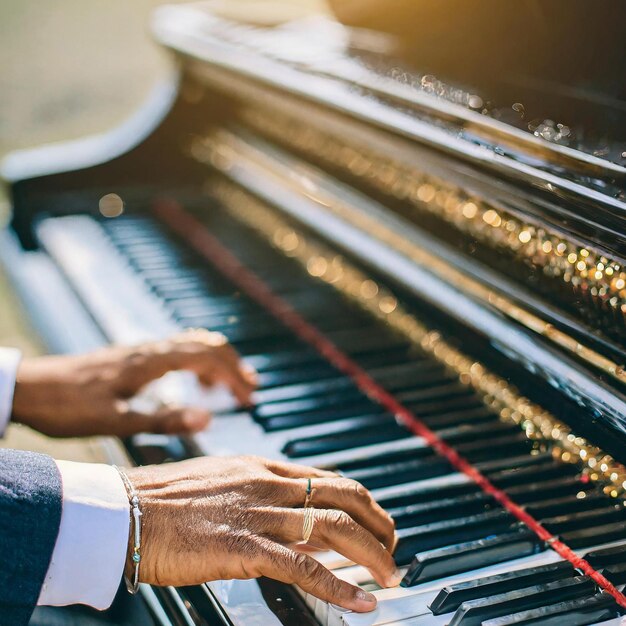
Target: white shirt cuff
<point>9,362</point>
<point>88,559</point>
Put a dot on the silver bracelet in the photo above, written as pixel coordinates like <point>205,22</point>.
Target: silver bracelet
<point>133,585</point>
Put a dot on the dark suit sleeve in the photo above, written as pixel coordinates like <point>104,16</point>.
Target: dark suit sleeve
<point>30,515</point>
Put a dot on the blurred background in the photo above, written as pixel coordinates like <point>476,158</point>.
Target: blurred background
<point>72,68</point>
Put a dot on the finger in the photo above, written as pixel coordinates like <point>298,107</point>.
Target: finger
<point>288,566</point>
<point>206,354</point>
<point>349,496</point>
<point>166,420</point>
<point>234,377</point>
<point>336,530</point>
<point>293,470</point>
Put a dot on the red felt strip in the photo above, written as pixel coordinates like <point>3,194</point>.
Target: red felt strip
<point>209,247</point>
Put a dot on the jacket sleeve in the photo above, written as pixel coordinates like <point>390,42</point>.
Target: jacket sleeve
<point>30,515</point>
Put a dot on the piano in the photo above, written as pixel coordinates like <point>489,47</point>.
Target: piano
<point>427,272</point>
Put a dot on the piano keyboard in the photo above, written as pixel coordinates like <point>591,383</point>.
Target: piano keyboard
<point>467,560</point>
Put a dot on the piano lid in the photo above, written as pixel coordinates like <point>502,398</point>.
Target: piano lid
<point>528,227</point>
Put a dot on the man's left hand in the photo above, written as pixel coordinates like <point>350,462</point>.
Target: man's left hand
<point>71,396</point>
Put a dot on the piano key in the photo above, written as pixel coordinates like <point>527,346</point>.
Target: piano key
<point>278,378</point>
<point>397,473</point>
<point>446,419</point>
<point>346,440</point>
<point>282,422</point>
<point>595,535</point>
<point>521,460</point>
<point>615,573</point>
<point>412,371</point>
<point>451,597</point>
<point>448,532</point>
<point>475,612</point>
<point>544,489</point>
<point>364,340</point>
<point>275,360</point>
<point>353,399</point>
<point>440,509</point>
<point>304,390</point>
<point>451,486</point>
<point>471,555</point>
<point>524,475</point>
<point>333,460</point>
<point>448,401</point>
<point>577,612</point>
<point>567,504</point>
<point>416,398</point>
<point>615,555</point>
<point>584,519</point>
<point>509,446</point>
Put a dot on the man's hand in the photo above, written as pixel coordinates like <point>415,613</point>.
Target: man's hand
<point>70,396</point>
<point>236,518</point>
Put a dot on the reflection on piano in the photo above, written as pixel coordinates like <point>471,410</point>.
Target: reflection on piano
<point>433,296</point>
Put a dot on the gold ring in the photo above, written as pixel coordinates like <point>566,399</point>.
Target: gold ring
<point>307,526</point>
<point>309,494</point>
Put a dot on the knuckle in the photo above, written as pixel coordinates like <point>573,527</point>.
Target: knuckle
<point>305,569</point>
<point>337,520</point>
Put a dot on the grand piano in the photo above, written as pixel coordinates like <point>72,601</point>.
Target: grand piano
<point>426,265</point>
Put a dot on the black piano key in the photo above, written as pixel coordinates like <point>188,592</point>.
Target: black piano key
<point>586,611</point>
<point>296,420</point>
<point>446,403</point>
<point>615,555</point>
<point>448,532</point>
<point>468,414</point>
<point>615,574</point>
<point>595,535</point>
<point>414,399</point>
<point>305,390</point>
<point>465,557</point>
<point>352,399</point>
<point>347,440</point>
<point>276,360</point>
<point>256,346</point>
<point>391,456</point>
<point>552,488</point>
<point>398,473</point>
<point>451,597</point>
<point>411,372</point>
<point>235,304</point>
<point>277,378</point>
<point>522,460</point>
<point>585,519</point>
<point>441,509</point>
<point>509,446</point>
<point>525,475</point>
<point>567,504</point>
<point>474,612</point>
<point>364,340</point>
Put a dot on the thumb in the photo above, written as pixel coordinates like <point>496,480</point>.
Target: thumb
<point>166,420</point>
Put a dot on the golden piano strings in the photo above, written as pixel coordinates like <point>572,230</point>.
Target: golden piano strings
<point>221,148</point>
<point>583,272</point>
<point>324,264</point>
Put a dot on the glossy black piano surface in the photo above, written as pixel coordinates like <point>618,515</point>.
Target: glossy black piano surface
<point>469,265</point>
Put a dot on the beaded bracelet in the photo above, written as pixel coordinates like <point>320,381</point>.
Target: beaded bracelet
<point>133,585</point>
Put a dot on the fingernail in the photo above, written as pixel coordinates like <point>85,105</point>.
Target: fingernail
<point>364,596</point>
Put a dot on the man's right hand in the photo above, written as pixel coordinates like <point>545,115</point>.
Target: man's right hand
<point>239,518</point>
